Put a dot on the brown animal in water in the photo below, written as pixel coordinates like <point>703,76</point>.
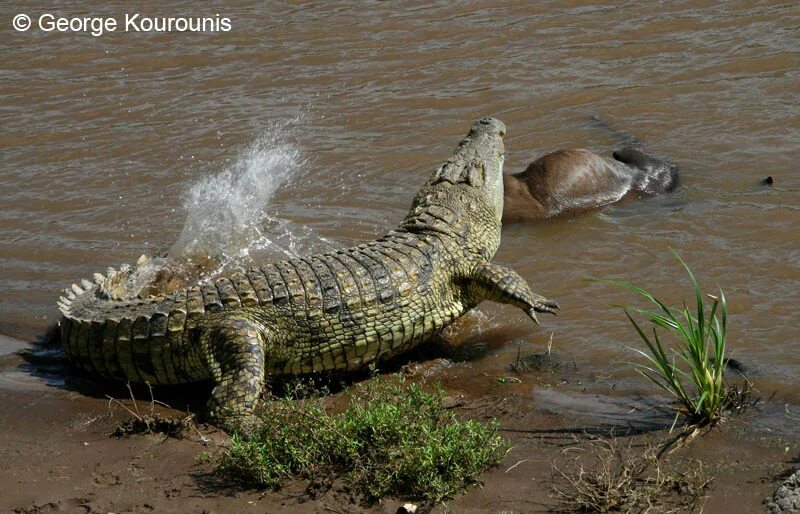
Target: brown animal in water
<point>575,180</point>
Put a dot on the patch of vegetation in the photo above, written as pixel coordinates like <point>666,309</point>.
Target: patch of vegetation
<point>391,440</point>
<point>610,477</point>
<point>146,424</point>
<point>549,361</point>
<point>151,422</point>
<point>693,371</point>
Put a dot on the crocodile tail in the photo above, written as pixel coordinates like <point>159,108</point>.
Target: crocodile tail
<point>106,332</point>
<point>80,333</point>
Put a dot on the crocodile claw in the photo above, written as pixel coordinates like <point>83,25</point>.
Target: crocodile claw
<point>545,305</point>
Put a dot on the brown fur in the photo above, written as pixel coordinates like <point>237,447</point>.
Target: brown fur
<point>574,180</point>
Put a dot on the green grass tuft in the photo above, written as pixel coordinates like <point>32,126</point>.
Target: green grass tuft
<point>693,370</point>
<point>393,440</point>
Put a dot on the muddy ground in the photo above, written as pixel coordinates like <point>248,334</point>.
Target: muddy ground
<point>59,454</point>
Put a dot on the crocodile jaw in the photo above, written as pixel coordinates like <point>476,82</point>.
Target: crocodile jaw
<point>495,189</point>
<point>476,165</point>
<point>486,137</point>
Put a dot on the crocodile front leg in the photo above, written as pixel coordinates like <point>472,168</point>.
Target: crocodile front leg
<point>235,350</point>
<point>504,285</point>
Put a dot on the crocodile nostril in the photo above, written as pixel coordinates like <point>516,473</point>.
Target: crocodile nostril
<point>495,123</point>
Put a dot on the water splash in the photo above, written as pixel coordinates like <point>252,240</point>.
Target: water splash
<point>223,211</point>
<point>284,238</point>
<point>227,221</point>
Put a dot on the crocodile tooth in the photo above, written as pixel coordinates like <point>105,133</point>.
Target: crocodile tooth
<point>124,267</point>
<point>99,278</point>
<point>77,289</point>
<point>86,284</point>
<point>64,300</point>
<point>141,261</point>
<point>70,294</point>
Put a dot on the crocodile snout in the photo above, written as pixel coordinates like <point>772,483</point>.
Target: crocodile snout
<point>493,124</point>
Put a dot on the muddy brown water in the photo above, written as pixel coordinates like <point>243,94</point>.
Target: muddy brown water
<point>103,138</point>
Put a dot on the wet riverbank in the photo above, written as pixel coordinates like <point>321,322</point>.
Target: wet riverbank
<point>60,455</point>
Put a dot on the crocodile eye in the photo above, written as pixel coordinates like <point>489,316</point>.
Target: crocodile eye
<point>476,173</point>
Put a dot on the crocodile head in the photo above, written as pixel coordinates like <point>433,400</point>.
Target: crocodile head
<point>477,163</point>
<point>464,195</point>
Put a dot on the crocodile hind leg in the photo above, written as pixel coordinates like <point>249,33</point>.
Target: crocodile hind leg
<point>504,285</point>
<point>236,361</point>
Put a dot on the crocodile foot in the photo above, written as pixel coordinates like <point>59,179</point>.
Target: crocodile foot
<point>245,426</point>
<point>542,304</point>
<point>236,361</point>
<point>504,285</point>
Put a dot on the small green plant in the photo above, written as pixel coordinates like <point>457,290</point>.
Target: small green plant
<point>392,440</point>
<point>693,371</point>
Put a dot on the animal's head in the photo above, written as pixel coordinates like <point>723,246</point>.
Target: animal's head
<point>464,196</point>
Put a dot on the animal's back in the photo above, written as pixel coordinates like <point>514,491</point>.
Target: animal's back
<point>574,180</point>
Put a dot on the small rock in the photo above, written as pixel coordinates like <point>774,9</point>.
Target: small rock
<point>451,402</point>
<point>786,498</point>
<point>408,508</point>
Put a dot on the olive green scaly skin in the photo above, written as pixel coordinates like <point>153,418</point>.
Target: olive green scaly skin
<point>335,311</point>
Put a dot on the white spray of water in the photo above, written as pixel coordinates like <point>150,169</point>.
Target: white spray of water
<point>226,218</point>
<point>223,211</point>
<point>285,238</point>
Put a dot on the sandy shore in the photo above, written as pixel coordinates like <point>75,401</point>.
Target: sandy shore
<point>59,455</point>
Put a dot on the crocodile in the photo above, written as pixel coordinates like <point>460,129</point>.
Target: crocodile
<point>335,311</point>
